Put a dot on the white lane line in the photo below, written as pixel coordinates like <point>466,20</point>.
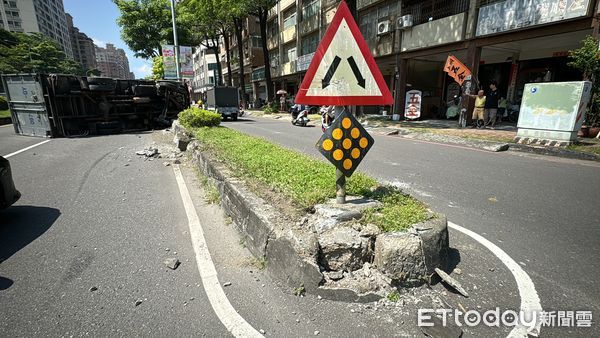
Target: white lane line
<point>530,301</point>
<point>220,304</point>
<point>25,149</point>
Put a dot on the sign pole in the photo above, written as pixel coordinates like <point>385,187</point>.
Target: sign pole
<point>340,185</point>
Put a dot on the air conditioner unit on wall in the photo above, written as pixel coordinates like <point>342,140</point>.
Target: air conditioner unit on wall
<point>404,22</point>
<point>383,27</point>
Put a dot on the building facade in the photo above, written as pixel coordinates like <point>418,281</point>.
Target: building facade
<point>510,42</point>
<point>113,62</point>
<point>84,50</point>
<point>37,16</point>
<point>253,60</point>
<point>205,72</point>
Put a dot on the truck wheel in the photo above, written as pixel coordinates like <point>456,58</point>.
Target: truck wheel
<point>234,117</point>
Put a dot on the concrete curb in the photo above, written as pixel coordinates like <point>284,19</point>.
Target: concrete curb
<point>292,253</point>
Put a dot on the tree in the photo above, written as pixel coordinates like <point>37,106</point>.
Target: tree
<point>146,25</point>
<point>586,60</point>
<point>158,68</point>
<point>24,53</point>
<point>260,9</point>
<point>239,10</point>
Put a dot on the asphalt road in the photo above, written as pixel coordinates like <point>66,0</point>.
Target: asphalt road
<point>543,211</point>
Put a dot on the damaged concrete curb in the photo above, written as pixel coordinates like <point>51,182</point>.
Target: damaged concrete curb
<point>328,253</point>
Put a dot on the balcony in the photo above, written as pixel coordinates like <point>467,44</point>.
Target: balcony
<point>309,25</point>
<point>360,4</point>
<point>288,34</point>
<point>288,68</point>
<point>436,32</point>
<point>272,12</point>
<point>272,42</point>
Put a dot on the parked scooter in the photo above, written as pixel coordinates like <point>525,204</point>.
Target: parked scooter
<point>300,116</point>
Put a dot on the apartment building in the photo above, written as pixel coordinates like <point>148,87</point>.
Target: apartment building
<point>205,72</point>
<point>37,16</point>
<point>253,60</point>
<point>113,62</point>
<point>512,42</point>
<point>84,50</point>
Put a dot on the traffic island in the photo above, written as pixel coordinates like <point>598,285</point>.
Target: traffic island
<point>281,203</point>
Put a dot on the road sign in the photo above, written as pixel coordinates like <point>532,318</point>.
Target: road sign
<point>343,71</point>
<point>345,143</point>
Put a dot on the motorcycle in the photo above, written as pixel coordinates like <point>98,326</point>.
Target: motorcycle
<point>300,117</point>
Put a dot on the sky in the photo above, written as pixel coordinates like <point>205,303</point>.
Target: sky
<point>98,20</point>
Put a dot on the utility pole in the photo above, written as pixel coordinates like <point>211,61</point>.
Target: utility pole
<point>175,41</point>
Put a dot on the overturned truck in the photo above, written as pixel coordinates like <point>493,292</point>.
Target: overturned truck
<point>57,105</point>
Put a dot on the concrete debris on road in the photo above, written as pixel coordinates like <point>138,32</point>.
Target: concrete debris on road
<point>93,288</point>
<point>149,152</point>
<point>497,148</point>
<point>166,164</point>
<point>172,263</point>
<point>227,284</point>
<point>451,281</point>
<point>138,302</point>
<point>317,333</point>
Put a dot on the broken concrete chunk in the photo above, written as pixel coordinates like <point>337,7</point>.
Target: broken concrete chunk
<point>172,263</point>
<point>451,281</point>
<point>370,230</point>
<point>342,248</point>
<point>336,275</point>
<point>149,152</point>
<point>138,302</point>
<point>227,284</point>
<point>497,148</point>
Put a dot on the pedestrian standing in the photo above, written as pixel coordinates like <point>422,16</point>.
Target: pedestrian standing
<point>491,105</point>
<point>478,111</point>
<point>282,100</point>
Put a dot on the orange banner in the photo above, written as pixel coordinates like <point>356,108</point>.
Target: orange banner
<point>456,69</point>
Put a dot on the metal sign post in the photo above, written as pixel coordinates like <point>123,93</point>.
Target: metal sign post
<point>343,72</point>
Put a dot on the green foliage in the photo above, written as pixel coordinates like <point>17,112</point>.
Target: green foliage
<point>299,291</point>
<point>399,211</point>
<point>25,53</point>
<point>158,68</point>
<point>146,25</point>
<point>393,296</point>
<point>3,103</point>
<point>196,118</point>
<point>5,113</point>
<point>93,72</point>
<point>271,108</point>
<point>587,61</point>
<point>304,180</point>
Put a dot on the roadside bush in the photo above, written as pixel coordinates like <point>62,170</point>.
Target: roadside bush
<point>196,118</point>
<point>3,103</point>
<point>271,108</point>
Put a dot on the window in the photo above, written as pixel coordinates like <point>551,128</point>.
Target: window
<point>273,28</point>
<point>289,21</point>
<point>311,9</point>
<point>274,59</point>
<point>290,54</point>
<point>310,43</point>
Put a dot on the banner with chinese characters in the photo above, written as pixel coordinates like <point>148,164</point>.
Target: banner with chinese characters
<point>412,107</point>
<point>456,69</point>
<point>169,64</point>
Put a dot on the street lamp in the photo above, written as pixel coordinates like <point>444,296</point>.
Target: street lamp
<point>175,41</point>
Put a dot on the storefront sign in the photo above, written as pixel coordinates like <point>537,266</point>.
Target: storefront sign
<point>169,65</point>
<point>456,69</point>
<point>512,82</point>
<point>412,105</point>
<point>513,14</point>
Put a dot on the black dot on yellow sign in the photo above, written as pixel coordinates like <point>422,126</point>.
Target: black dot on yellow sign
<point>345,143</point>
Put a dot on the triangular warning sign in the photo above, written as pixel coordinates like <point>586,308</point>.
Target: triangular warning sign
<point>343,71</point>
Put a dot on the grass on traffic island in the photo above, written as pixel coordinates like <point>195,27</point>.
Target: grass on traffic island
<point>4,113</point>
<point>305,181</point>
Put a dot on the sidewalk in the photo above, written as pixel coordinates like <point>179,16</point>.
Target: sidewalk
<point>498,139</point>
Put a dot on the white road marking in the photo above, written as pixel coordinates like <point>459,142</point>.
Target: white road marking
<point>6,125</point>
<point>530,301</point>
<point>25,149</point>
<point>220,304</point>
